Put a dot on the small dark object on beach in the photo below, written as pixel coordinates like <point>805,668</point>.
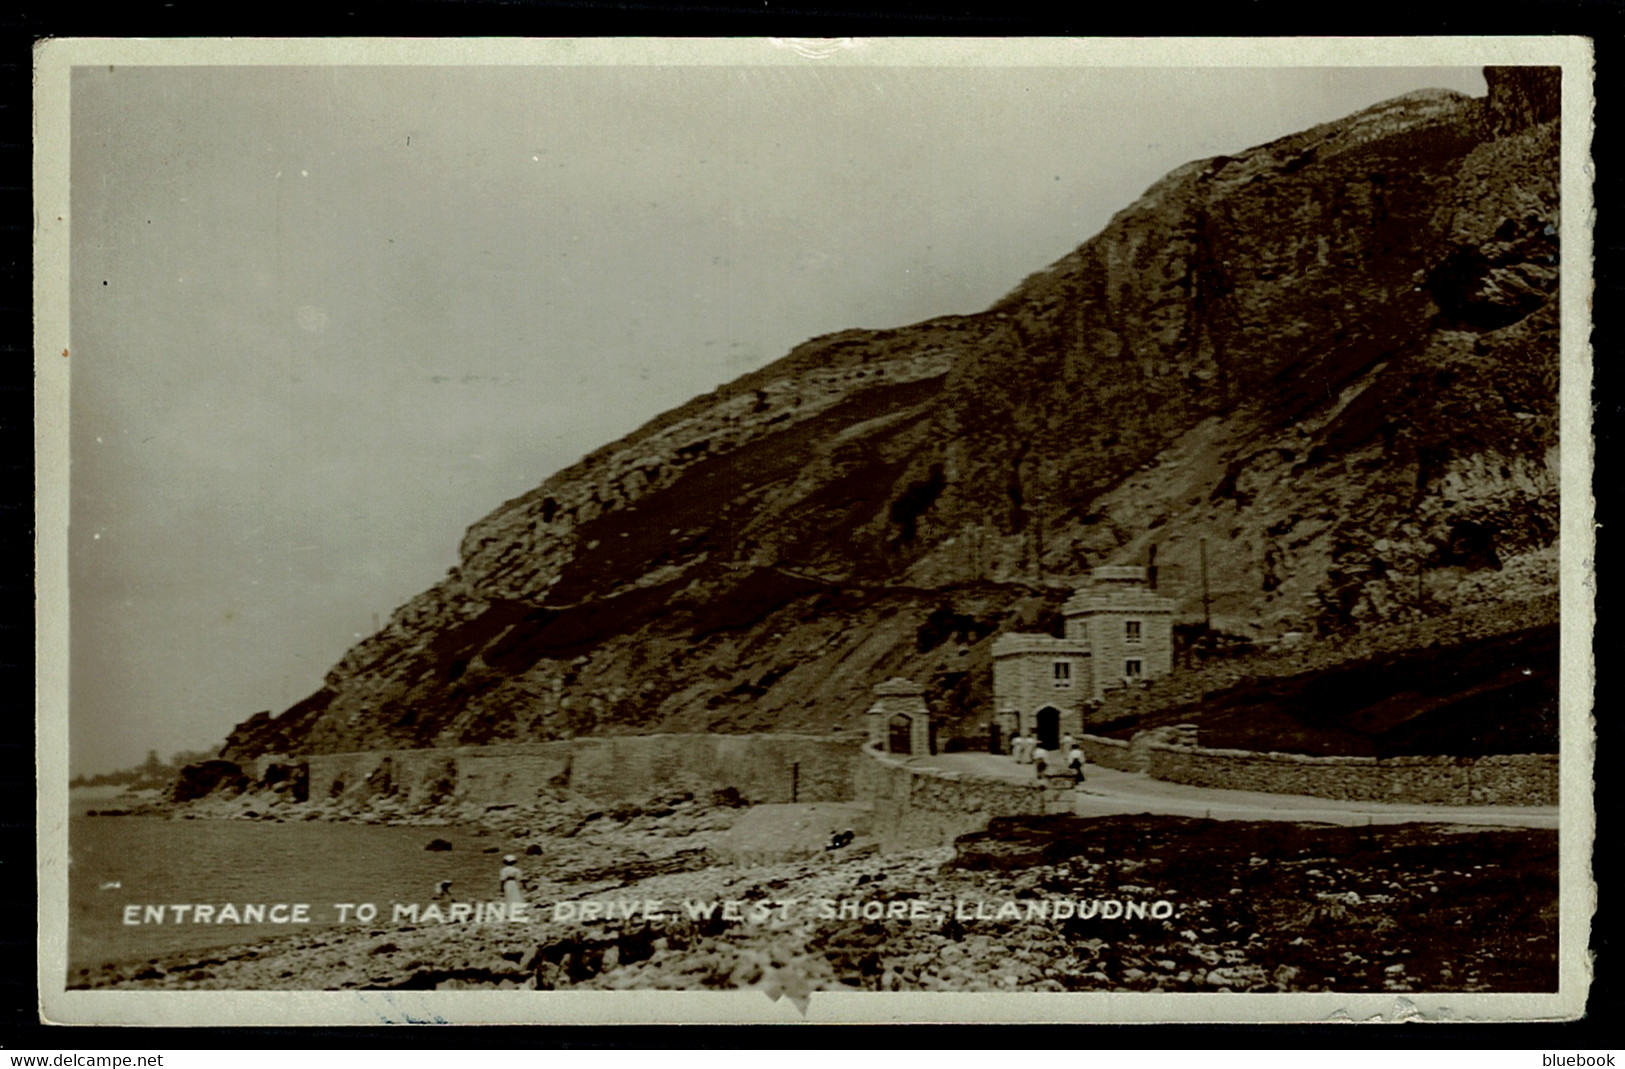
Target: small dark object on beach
<point>728,796</point>
<point>533,850</point>
<point>840,839</point>
<point>438,845</point>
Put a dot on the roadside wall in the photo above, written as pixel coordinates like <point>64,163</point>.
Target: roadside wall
<point>916,808</point>
<point>762,768</point>
<point>1518,780</point>
<point>1109,753</point>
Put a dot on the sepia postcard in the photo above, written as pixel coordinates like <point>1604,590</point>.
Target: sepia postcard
<point>850,530</point>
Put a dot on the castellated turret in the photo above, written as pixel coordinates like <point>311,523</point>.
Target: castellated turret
<point>1118,631</point>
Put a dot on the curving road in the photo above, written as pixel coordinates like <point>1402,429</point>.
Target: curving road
<point>1108,792</point>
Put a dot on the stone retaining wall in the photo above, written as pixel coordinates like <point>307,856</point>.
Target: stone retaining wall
<point>1109,753</point>
<point>1518,779</point>
<point>762,768</point>
<point>914,807</point>
<point>917,808</point>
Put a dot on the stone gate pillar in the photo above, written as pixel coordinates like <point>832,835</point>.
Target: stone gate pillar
<point>899,718</point>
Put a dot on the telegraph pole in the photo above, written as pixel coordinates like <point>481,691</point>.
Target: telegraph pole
<point>1038,555</point>
<point>1207,618</point>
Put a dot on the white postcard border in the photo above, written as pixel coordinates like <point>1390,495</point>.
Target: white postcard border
<point>53,361</point>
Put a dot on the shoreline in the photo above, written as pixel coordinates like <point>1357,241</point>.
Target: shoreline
<point>1248,907</point>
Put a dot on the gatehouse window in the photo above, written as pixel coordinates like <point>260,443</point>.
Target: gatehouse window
<point>1063,673</point>
<point>1131,631</point>
<point>1131,668</point>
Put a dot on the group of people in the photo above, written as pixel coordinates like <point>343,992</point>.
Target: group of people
<point>510,879</point>
<point>1027,751</point>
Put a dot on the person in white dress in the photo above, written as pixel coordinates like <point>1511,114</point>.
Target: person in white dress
<point>511,878</point>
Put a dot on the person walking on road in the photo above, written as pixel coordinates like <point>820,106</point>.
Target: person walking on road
<point>1074,761</point>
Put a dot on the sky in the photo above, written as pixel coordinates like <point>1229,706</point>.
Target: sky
<point>324,318</point>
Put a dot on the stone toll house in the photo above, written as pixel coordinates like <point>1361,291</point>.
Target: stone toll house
<point>1119,631</point>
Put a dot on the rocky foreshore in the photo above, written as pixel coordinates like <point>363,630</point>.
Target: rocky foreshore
<point>642,897</point>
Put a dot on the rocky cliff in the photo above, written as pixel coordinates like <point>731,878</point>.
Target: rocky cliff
<point>1330,360</point>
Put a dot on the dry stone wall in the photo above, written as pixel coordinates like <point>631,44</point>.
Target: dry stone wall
<point>917,808</point>
<point>1516,780</point>
<point>1109,753</point>
<point>762,768</point>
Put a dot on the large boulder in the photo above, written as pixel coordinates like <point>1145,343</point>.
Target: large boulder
<point>285,775</point>
<point>208,777</point>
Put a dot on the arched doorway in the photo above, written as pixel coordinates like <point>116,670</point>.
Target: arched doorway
<point>1049,728</point>
<point>901,738</point>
